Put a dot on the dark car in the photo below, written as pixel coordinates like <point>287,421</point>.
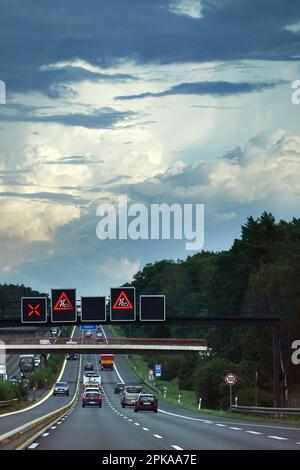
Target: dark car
<point>61,388</point>
<point>89,366</point>
<point>71,356</point>
<point>92,398</point>
<point>119,387</point>
<point>146,402</point>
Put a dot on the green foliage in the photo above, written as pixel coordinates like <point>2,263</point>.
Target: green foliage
<point>258,276</point>
<point>9,391</point>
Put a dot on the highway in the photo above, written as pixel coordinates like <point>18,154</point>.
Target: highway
<point>112,427</point>
<point>12,421</point>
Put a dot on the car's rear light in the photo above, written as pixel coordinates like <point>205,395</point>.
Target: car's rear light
<point>98,398</point>
<point>84,398</point>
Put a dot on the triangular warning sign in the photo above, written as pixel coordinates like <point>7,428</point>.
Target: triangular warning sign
<point>63,303</point>
<point>122,302</point>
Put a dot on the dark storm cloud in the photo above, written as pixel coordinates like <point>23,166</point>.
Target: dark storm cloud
<point>34,33</point>
<point>220,88</point>
<point>45,196</point>
<point>99,118</point>
<point>74,160</point>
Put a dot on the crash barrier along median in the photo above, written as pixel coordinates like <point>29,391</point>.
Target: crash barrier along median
<point>9,402</point>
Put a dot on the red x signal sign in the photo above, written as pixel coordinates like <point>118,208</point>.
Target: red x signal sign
<point>34,310</point>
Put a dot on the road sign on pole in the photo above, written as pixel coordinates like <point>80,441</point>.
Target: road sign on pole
<point>152,307</point>
<point>158,370</point>
<point>63,306</point>
<point>122,304</point>
<point>93,309</point>
<point>34,310</point>
<point>230,379</point>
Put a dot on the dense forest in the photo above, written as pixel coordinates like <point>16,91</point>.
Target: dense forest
<point>258,276</point>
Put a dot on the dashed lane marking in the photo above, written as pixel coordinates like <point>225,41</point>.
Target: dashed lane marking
<point>45,434</point>
<point>253,432</point>
<point>279,438</point>
<point>145,429</point>
<point>177,447</point>
<point>33,446</point>
<point>157,436</point>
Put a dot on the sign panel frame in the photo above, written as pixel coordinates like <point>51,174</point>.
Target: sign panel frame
<point>74,318</point>
<point>142,296</point>
<point>33,299</point>
<point>85,320</point>
<point>113,301</point>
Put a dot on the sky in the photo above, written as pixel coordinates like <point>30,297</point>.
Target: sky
<point>168,101</point>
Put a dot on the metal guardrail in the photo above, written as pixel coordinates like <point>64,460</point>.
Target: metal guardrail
<point>264,411</point>
<point>9,402</point>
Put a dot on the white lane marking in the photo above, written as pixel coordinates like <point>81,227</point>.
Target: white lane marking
<point>253,432</point>
<point>157,436</point>
<point>235,429</point>
<point>33,446</point>
<point>177,447</point>
<point>47,396</point>
<point>279,438</point>
<point>45,434</point>
<point>59,422</point>
<point>298,443</point>
<point>221,425</point>
<point>145,429</point>
<point>130,420</point>
<point>53,427</point>
<point>137,424</point>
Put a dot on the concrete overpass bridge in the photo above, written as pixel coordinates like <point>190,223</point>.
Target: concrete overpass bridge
<point>22,345</point>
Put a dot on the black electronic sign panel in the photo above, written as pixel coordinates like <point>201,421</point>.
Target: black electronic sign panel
<point>93,309</point>
<point>34,309</point>
<point>63,308</point>
<point>122,304</point>
<point>152,308</point>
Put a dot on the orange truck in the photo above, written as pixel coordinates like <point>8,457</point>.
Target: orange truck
<point>107,361</point>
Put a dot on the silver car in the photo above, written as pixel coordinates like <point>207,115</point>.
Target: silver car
<point>61,388</point>
<point>130,395</point>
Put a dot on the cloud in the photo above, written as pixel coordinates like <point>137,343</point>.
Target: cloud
<point>160,32</point>
<point>190,8</point>
<point>101,118</point>
<point>75,160</point>
<point>266,170</point>
<point>220,88</point>
<point>62,198</point>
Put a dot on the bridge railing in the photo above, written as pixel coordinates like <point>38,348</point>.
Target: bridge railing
<point>112,341</point>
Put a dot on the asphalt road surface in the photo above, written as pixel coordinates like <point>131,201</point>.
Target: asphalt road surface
<point>112,427</point>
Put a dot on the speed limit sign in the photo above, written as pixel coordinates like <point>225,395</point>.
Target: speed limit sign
<point>230,378</point>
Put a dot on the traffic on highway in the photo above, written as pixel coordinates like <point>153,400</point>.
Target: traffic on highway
<point>109,408</point>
